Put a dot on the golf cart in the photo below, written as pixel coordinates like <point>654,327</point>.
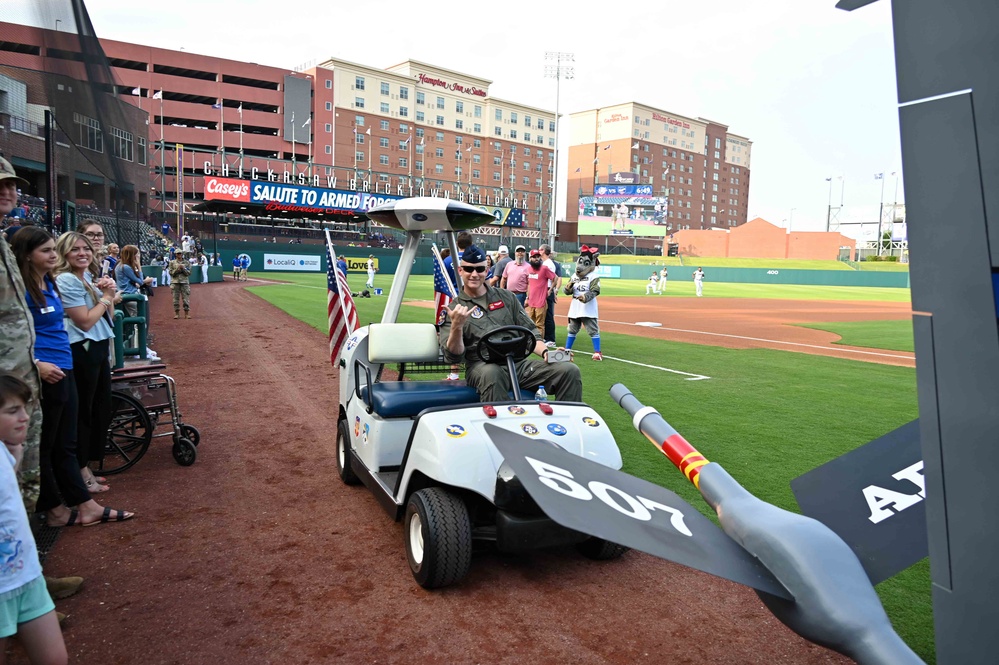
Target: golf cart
<point>420,445</point>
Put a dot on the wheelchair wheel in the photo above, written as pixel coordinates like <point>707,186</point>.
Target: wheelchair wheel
<point>129,435</point>
<point>191,433</point>
<point>184,452</point>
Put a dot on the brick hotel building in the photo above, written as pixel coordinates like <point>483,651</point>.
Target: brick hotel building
<point>413,125</point>
<point>702,168</point>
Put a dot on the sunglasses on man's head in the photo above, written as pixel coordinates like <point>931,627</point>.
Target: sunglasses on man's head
<point>471,269</point>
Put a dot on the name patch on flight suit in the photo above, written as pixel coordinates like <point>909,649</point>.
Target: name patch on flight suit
<point>493,306</point>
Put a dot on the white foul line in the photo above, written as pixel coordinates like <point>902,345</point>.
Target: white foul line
<point>774,341</point>
<point>693,377</point>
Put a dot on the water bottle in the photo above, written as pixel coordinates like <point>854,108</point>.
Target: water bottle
<point>541,395</point>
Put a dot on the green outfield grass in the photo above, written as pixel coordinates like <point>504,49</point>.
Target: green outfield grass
<point>889,335</point>
<point>767,416</point>
<point>420,287</point>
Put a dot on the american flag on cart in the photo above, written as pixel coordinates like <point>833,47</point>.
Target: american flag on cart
<point>340,310</point>
<point>442,290</point>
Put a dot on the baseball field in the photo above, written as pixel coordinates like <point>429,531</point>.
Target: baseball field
<point>769,381</point>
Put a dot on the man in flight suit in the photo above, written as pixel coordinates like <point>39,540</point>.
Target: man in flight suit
<point>479,309</point>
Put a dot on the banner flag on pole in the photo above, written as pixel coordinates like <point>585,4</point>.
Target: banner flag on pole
<point>340,311</point>
<point>136,91</point>
<point>158,95</point>
<point>444,291</point>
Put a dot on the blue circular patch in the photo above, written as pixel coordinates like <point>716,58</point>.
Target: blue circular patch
<point>556,429</point>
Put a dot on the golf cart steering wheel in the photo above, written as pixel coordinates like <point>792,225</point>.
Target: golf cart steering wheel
<point>515,342</point>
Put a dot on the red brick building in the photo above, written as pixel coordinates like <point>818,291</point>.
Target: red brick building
<point>410,129</point>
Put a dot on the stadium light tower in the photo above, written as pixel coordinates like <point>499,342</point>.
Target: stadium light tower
<point>557,71</point>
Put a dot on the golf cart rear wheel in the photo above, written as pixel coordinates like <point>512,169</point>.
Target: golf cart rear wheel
<point>599,549</point>
<point>438,534</point>
<point>343,467</point>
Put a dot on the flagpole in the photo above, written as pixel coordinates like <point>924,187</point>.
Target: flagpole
<point>240,109</point>
<point>162,163</point>
<point>339,291</point>
<point>293,149</point>
<point>221,129</point>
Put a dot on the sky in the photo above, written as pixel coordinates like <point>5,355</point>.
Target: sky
<point>812,86</point>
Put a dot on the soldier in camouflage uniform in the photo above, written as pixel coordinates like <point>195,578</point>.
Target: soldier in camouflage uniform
<point>180,274</point>
<point>479,309</point>
<point>17,338</point>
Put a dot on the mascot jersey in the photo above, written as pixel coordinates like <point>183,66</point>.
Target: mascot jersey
<point>579,309</point>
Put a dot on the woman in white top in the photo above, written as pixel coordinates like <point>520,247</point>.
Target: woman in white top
<point>88,302</point>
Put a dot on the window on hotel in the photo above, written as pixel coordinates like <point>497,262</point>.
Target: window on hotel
<point>551,142</point>
<point>421,98</point>
<point>459,107</point>
<point>498,131</point>
<point>358,137</point>
<point>328,128</point>
<point>513,133</point>
<point>420,117</point>
<point>439,137</point>
<point>440,120</point>
<point>496,176</point>
<point>383,125</point>
<point>499,114</point>
<point>513,118</point>
<point>527,136</point>
<point>403,162</point>
<point>438,168</point>
<point>329,150</point>
<point>358,156</point>
<point>403,112</point>
<point>140,150</point>
<point>439,152</point>
<point>359,102</point>
<point>477,128</point>
<point>419,132</point>
<point>476,174</point>
<point>440,103</point>
<point>383,107</point>
<point>383,142</point>
<point>477,111</point>
<point>384,88</point>
<point>383,160</point>
<point>458,124</point>
<point>418,165</point>
<point>359,120</point>
<point>476,158</point>
<point>91,136</point>
<point>359,82</point>
<point>329,84</point>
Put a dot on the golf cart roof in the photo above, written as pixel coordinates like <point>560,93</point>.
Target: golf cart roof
<point>425,213</point>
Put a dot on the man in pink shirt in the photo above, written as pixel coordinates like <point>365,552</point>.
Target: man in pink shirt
<point>515,275</point>
<point>538,276</point>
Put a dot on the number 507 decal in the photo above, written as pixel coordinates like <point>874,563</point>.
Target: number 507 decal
<point>636,507</point>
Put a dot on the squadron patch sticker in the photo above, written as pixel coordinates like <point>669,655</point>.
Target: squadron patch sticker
<point>592,422</point>
<point>529,429</point>
<point>357,426</point>
<point>442,317</point>
<point>455,431</point>
<point>556,429</point>
<point>364,438</point>
<point>477,313</point>
<point>516,410</point>
<point>352,342</point>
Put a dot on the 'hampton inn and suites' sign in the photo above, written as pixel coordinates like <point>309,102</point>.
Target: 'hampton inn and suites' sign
<point>451,85</point>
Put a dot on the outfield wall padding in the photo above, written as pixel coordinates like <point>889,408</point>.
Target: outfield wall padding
<point>388,262</point>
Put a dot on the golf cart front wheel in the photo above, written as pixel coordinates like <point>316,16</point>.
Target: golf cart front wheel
<point>438,534</point>
<point>599,549</point>
<point>343,466</point>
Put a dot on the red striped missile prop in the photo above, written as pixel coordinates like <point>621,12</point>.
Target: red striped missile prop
<point>834,603</point>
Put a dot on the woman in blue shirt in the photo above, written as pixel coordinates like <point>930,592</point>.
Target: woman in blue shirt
<point>61,477</point>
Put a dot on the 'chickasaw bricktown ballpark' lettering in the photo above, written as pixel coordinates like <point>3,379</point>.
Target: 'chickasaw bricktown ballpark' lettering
<point>225,184</point>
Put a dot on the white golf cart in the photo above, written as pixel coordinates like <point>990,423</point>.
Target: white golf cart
<point>420,446</point>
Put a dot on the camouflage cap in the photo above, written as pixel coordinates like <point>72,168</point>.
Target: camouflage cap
<point>7,172</point>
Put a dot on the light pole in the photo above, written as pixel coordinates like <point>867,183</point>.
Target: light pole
<point>557,71</point>
<point>829,204</point>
